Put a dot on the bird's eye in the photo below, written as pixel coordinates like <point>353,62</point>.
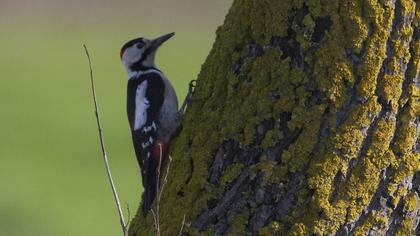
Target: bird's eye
<point>140,45</point>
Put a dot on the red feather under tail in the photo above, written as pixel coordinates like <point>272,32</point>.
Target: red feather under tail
<point>160,148</point>
<point>159,153</point>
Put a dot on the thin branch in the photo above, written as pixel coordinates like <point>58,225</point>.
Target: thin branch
<point>158,191</point>
<point>182,227</point>
<point>105,157</point>
<point>128,216</point>
<point>165,180</point>
<point>154,220</point>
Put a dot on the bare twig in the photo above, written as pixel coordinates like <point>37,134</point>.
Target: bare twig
<point>105,157</point>
<point>154,220</point>
<point>159,189</point>
<point>165,180</point>
<point>182,226</point>
<point>128,216</point>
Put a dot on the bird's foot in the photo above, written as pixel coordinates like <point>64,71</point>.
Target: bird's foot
<point>187,101</point>
<point>188,98</point>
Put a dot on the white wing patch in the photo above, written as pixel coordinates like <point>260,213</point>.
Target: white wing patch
<point>147,144</point>
<point>142,104</point>
<point>149,128</point>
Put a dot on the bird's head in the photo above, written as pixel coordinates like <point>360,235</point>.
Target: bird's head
<point>139,54</point>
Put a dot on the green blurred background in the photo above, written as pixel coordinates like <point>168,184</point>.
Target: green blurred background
<point>52,179</point>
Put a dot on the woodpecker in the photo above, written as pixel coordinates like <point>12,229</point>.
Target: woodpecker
<point>152,109</point>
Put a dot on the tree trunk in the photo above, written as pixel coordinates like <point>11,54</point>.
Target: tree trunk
<point>305,121</point>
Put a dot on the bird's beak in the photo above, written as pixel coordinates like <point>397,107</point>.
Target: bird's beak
<point>160,40</point>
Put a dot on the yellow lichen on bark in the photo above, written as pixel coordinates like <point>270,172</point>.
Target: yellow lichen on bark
<point>337,99</point>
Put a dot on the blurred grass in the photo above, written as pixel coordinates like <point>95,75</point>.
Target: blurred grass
<point>52,179</point>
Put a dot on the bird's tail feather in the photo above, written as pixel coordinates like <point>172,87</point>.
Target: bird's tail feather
<point>150,188</point>
<point>159,153</point>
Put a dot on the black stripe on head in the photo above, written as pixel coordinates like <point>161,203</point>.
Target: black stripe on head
<point>138,66</point>
<point>130,44</point>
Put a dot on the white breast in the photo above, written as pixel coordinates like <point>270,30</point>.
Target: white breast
<point>169,118</point>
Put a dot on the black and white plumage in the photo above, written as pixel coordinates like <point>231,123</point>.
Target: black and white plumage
<point>152,109</point>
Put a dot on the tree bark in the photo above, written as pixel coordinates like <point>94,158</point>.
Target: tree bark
<point>305,121</point>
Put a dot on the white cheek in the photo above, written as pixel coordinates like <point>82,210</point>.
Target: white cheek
<point>132,55</point>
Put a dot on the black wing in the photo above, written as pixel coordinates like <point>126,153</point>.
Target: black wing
<point>144,100</point>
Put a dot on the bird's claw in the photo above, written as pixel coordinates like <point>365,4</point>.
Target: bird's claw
<point>191,88</point>
<point>192,84</point>
<point>188,100</point>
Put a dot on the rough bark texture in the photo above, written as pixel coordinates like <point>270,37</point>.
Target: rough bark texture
<point>305,121</point>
